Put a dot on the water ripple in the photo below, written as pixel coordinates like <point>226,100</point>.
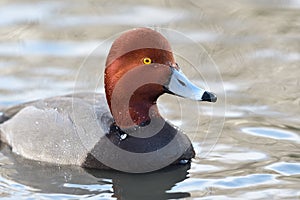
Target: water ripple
<point>136,16</point>
<point>18,13</point>
<point>285,168</point>
<point>49,48</point>
<point>246,181</point>
<point>273,133</point>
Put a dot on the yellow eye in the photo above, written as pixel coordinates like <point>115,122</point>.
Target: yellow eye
<point>147,61</point>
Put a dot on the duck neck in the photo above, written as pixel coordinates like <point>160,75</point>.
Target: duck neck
<point>138,111</point>
<point>142,112</point>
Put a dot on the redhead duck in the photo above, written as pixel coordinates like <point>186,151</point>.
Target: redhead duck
<point>122,130</point>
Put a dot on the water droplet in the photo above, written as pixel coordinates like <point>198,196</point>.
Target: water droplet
<point>123,136</point>
<point>183,161</point>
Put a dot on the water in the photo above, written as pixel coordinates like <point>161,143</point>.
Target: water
<point>247,143</point>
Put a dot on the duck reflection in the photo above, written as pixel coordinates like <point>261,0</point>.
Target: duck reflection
<point>152,185</point>
<point>70,180</point>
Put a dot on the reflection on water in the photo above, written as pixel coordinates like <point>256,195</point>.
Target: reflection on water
<point>253,43</point>
<point>47,48</point>
<point>246,181</point>
<point>48,181</point>
<point>272,133</point>
<point>286,169</point>
<point>10,14</point>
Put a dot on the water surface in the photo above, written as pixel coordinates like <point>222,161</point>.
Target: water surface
<point>246,51</point>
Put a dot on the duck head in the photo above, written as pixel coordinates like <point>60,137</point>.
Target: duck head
<point>140,67</point>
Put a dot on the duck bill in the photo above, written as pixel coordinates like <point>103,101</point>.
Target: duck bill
<point>181,86</point>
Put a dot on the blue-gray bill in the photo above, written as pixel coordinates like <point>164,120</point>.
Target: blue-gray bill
<point>181,86</point>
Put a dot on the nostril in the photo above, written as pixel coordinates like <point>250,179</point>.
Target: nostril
<point>181,82</point>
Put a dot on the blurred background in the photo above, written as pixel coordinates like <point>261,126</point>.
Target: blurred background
<point>248,52</point>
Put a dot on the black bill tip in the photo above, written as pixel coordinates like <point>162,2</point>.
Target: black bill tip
<point>210,97</point>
